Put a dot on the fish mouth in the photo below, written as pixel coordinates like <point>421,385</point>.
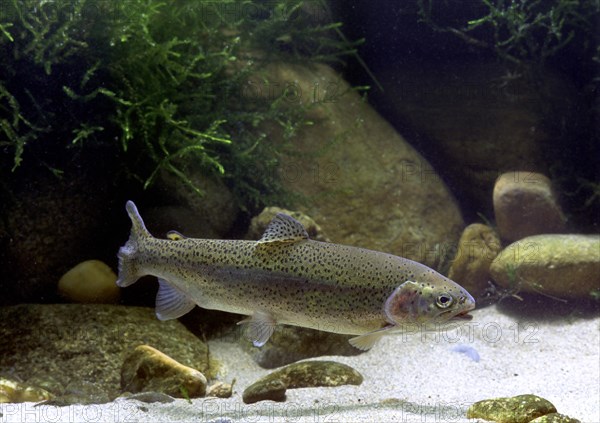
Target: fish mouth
<point>464,316</point>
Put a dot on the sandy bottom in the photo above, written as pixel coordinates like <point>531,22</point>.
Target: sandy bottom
<point>407,378</point>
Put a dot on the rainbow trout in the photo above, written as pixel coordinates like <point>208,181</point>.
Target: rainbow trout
<point>287,278</point>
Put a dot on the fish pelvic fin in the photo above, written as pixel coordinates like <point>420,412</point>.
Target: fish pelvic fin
<point>259,327</point>
<point>129,270</point>
<point>171,303</point>
<point>366,341</point>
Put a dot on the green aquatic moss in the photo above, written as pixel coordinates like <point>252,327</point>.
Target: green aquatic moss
<point>162,80</point>
<point>524,33</point>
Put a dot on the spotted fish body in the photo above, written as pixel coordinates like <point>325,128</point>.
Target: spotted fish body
<point>286,278</point>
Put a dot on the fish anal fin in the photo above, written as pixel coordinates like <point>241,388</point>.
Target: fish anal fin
<point>259,327</point>
<point>283,228</point>
<point>170,302</point>
<point>366,341</point>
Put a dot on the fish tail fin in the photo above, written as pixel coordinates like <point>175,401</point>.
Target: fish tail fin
<point>129,269</point>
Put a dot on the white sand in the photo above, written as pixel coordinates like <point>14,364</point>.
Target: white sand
<point>422,379</point>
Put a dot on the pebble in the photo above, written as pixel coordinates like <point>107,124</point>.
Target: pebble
<point>525,204</point>
<point>290,344</point>
<point>555,418</point>
<point>220,390</point>
<point>147,369</point>
<point>563,266</point>
<point>519,409</point>
<point>306,374</point>
<point>91,281</point>
<point>477,248</point>
<point>12,391</point>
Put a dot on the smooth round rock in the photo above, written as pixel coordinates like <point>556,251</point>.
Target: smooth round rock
<point>525,205</point>
<point>478,247</point>
<point>220,390</point>
<point>12,391</point>
<point>91,281</point>
<point>305,374</point>
<point>565,266</point>
<point>77,353</point>
<point>519,409</point>
<point>355,175</point>
<point>555,418</point>
<point>262,390</point>
<point>147,369</point>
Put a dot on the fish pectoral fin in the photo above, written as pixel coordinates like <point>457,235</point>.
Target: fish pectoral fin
<point>171,303</point>
<point>283,228</point>
<point>366,341</point>
<point>260,327</point>
<point>175,236</point>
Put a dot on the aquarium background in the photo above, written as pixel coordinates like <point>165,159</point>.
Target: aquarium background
<point>462,135</point>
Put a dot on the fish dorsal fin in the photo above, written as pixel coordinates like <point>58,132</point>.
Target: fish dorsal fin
<point>170,303</point>
<point>175,236</point>
<point>283,228</point>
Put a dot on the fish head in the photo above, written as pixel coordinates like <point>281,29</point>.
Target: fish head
<point>429,300</point>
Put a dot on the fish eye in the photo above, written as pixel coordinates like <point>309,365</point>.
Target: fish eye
<point>444,301</point>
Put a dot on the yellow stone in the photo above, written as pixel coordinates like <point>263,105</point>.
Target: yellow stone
<point>147,369</point>
<point>11,391</point>
<point>91,281</point>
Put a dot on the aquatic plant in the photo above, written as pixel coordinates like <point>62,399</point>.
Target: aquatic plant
<point>185,394</point>
<point>522,33</point>
<point>530,38</point>
<point>162,80</point>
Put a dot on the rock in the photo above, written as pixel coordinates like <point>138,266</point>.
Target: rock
<point>358,178</point>
<point>555,418</point>
<point>49,223</point>
<point>289,344</point>
<point>525,205</point>
<point>11,391</point>
<point>220,390</point>
<point>259,223</point>
<point>91,281</point>
<point>308,374</point>
<point>519,409</point>
<point>478,247</point>
<point>78,349</point>
<point>262,390</point>
<point>147,369</point>
<point>76,392</point>
<point>473,123</point>
<point>564,266</point>
<point>211,215</point>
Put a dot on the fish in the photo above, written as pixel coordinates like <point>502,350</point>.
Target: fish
<point>287,278</point>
